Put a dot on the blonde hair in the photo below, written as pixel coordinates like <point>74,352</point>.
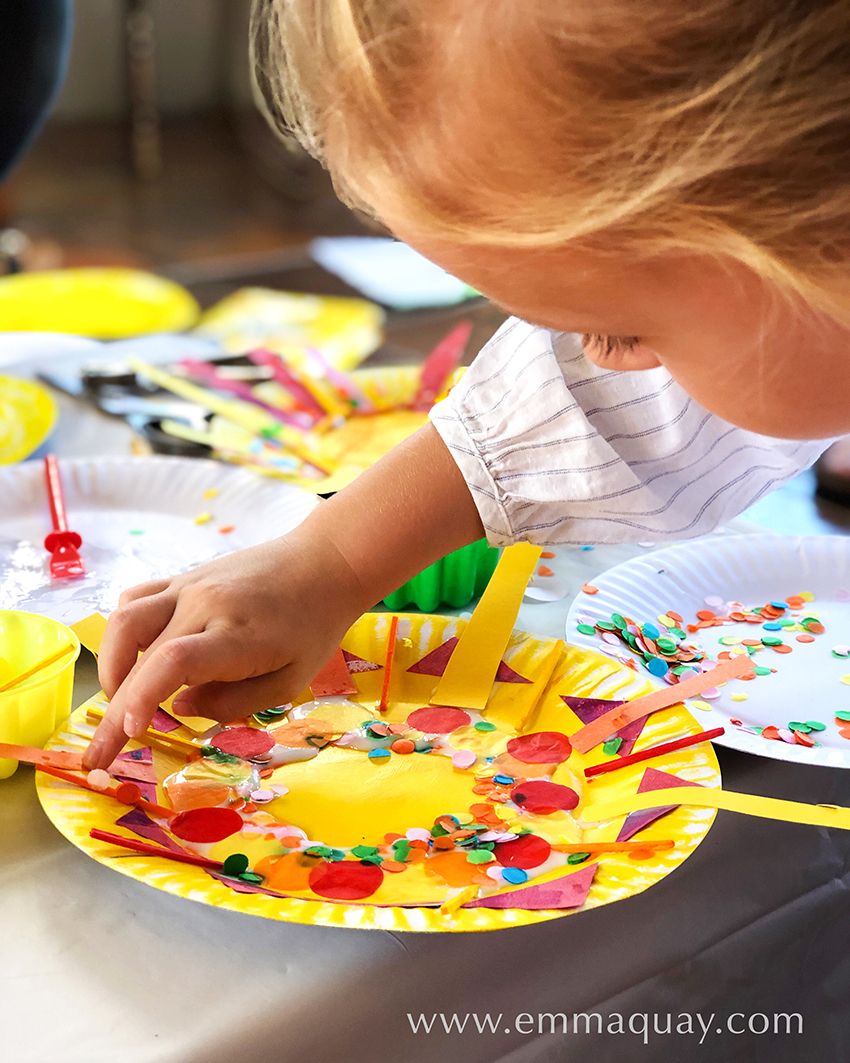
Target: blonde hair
<point>721,126</point>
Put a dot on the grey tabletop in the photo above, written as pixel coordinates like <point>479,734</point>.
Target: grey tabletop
<point>742,954</point>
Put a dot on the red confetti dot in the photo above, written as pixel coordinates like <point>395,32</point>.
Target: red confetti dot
<point>128,792</point>
<point>525,852</point>
<point>543,797</point>
<point>345,880</point>
<point>540,747</point>
<point>245,742</point>
<point>206,824</point>
<point>438,719</point>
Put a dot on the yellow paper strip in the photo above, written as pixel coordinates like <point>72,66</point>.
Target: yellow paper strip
<point>90,632</point>
<point>468,678</point>
<point>729,801</point>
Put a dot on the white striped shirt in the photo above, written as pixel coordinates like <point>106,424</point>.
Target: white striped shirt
<point>557,450</point>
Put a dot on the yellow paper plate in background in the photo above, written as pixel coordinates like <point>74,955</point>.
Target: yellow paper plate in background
<point>27,416</point>
<point>105,304</point>
<point>342,795</point>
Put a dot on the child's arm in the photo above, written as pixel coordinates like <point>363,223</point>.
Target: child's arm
<point>252,629</point>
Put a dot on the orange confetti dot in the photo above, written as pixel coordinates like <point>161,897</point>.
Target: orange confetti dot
<point>783,648</point>
<point>403,745</point>
<point>805,638</point>
<point>547,554</point>
<point>392,865</point>
<point>226,529</point>
<point>544,570</point>
<point>588,588</point>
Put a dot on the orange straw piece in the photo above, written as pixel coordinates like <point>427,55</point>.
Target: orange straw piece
<point>383,704</point>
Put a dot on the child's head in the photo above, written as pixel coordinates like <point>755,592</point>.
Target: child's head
<point>671,173</point>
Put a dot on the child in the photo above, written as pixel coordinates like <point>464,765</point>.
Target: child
<point>669,181</point>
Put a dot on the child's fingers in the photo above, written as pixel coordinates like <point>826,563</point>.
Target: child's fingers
<point>233,701</point>
<point>142,590</point>
<point>175,659</point>
<point>131,628</point>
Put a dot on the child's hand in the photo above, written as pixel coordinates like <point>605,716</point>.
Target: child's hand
<point>251,630</point>
<point>242,633</point>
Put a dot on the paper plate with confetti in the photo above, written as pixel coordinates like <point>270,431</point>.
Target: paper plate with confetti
<point>785,602</point>
<point>139,518</point>
<point>366,805</point>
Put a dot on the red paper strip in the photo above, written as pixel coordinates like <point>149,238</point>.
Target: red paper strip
<point>383,704</point>
<point>153,850</point>
<point>653,751</point>
<point>440,363</point>
<point>333,679</point>
<point>598,731</point>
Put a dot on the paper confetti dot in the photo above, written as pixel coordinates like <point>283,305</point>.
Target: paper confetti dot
<point>845,679</point>
<point>235,864</point>
<point>345,880</point>
<point>378,754</point>
<point>543,797</point>
<point>514,875</point>
<point>540,747</point>
<point>244,742</point>
<point>527,851</point>
<point>438,719</point>
<point>203,518</point>
<point>739,697</point>
<point>99,779</point>
<point>206,824</point>
<point>463,759</point>
<point>701,705</point>
<point>211,492</point>
<point>589,588</point>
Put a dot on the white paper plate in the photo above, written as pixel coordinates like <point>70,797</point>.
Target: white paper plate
<point>753,569</point>
<point>137,519</point>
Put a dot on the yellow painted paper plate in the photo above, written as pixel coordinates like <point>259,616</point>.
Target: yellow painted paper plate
<point>27,416</point>
<point>360,441</point>
<point>384,842</point>
<point>105,304</point>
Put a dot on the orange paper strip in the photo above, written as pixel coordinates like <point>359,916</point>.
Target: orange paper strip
<point>53,758</point>
<point>605,726</point>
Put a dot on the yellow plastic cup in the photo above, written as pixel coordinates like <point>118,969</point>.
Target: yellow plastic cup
<point>30,711</point>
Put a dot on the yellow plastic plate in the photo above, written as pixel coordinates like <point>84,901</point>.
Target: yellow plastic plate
<point>105,304</point>
<point>342,797</point>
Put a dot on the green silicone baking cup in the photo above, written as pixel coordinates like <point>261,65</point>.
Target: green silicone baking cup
<point>454,580</point>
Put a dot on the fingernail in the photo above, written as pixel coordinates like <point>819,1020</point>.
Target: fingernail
<point>134,728</point>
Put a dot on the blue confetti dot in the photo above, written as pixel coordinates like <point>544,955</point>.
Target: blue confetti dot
<point>651,631</point>
<point>514,875</point>
<point>505,780</point>
<point>771,625</point>
<point>779,605</point>
<point>378,754</point>
<point>655,666</point>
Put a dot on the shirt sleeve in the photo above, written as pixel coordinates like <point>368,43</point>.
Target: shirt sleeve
<point>557,450</point>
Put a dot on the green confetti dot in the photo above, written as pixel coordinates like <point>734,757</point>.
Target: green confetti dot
<point>761,670</point>
<point>586,629</point>
<point>480,856</point>
<point>364,852</point>
<point>619,621</point>
<point>236,864</point>
<point>815,725</point>
<point>605,625</point>
<point>796,725</point>
<point>612,746</point>
<point>251,876</point>
<point>771,640</point>
<point>137,531</point>
<point>578,858</point>
<point>485,725</point>
<point>319,850</point>
<point>844,716</point>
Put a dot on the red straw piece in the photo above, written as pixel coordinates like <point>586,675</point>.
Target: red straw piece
<point>62,544</point>
<point>653,751</point>
<point>154,850</point>
<point>383,704</point>
<point>84,784</point>
<point>333,679</point>
<point>439,364</point>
